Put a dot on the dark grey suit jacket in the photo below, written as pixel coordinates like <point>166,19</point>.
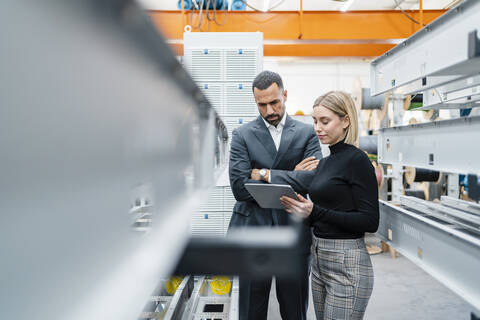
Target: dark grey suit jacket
<point>252,147</point>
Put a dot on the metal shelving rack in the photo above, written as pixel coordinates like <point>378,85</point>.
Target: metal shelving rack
<point>442,238</point>
<point>194,299</point>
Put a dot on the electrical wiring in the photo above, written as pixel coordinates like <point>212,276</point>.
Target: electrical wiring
<point>199,6</point>
<point>207,8</point>
<point>215,17</point>
<point>403,11</point>
<point>195,5</point>
<point>200,17</point>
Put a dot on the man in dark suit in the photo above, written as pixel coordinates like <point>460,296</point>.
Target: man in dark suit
<point>272,141</point>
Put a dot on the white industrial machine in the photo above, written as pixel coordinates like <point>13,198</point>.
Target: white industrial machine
<point>442,62</point>
<point>223,64</point>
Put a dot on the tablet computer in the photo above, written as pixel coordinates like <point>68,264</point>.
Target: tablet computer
<point>268,195</point>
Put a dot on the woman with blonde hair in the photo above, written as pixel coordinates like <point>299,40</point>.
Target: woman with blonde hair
<point>343,206</point>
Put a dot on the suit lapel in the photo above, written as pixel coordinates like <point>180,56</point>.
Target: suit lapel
<point>287,138</point>
<point>264,136</point>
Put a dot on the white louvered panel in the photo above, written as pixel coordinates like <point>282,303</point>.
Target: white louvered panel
<point>240,64</point>
<point>202,233</point>
<point>235,122</point>
<point>239,100</point>
<point>207,224</point>
<point>206,65</point>
<point>214,94</point>
<point>207,220</point>
<point>214,201</point>
<point>226,220</point>
<point>228,199</point>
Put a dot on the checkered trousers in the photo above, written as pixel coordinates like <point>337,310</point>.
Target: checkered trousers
<point>342,278</point>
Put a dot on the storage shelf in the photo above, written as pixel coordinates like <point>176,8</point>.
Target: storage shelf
<point>448,146</point>
<point>449,255</point>
<point>446,50</point>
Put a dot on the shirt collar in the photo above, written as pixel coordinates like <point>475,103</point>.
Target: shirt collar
<point>338,147</point>
<point>280,125</point>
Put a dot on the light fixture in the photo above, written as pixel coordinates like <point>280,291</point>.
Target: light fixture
<point>346,5</point>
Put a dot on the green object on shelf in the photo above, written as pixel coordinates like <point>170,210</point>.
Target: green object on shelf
<point>415,105</point>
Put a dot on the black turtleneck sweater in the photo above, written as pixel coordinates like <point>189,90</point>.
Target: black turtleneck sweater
<point>343,189</point>
<point>345,194</point>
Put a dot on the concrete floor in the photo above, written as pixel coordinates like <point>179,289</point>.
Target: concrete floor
<point>402,291</point>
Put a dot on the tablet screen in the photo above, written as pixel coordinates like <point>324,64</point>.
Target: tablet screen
<point>268,195</point>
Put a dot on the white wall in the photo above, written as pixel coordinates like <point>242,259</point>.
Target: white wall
<point>305,78</point>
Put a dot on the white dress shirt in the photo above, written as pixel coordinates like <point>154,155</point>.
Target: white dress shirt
<point>276,133</point>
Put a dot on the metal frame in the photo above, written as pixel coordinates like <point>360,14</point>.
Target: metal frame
<point>197,298</point>
<point>325,33</point>
<point>442,145</point>
<point>443,239</point>
<point>471,207</point>
<point>180,299</point>
<point>463,220</point>
<point>463,93</point>
<point>423,57</point>
<point>449,255</point>
<point>176,303</point>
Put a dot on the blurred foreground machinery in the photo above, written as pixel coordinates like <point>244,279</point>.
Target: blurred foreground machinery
<point>107,149</point>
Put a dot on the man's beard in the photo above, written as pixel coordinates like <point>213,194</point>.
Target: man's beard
<point>273,119</point>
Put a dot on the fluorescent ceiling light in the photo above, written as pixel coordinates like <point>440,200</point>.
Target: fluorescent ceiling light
<point>346,5</point>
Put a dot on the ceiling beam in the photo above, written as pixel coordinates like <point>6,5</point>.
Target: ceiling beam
<point>354,33</point>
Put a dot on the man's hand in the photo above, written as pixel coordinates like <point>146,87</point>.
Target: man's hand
<point>307,164</point>
<point>255,175</point>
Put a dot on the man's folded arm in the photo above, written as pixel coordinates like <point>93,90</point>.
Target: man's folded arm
<point>239,168</point>
<point>299,180</point>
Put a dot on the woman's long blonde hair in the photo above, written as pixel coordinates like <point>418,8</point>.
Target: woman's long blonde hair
<point>341,104</point>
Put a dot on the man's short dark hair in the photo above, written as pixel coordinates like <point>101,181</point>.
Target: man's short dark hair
<point>265,79</point>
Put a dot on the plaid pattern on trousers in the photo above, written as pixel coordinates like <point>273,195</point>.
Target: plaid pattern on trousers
<point>342,278</point>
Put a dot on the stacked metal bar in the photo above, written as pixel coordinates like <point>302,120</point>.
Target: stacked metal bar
<point>443,238</point>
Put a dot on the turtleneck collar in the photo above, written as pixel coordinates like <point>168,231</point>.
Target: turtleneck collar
<point>338,147</point>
